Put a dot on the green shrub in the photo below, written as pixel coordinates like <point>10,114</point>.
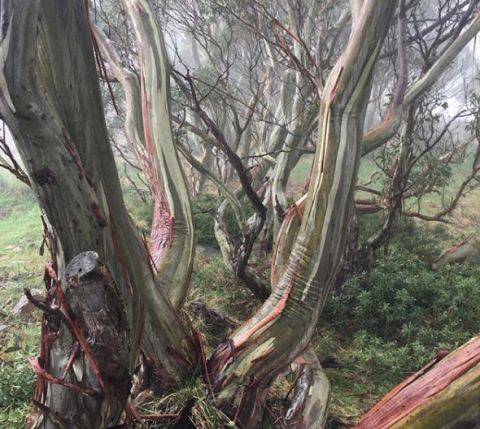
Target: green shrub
<point>204,208</point>
<point>16,383</point>
<point>402,300</point>
<point>387,324</point>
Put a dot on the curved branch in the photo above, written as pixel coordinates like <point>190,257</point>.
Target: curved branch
<point>390,125</point>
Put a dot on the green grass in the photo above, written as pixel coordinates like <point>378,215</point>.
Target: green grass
<point>20,233</point>
<point>20,267</point>
<point>301,171</point>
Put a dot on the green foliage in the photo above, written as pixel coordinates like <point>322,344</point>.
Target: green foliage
<point>17,341</point>
<point>16,384</point>
<point>20,239</point>
<point>423,241</point>
<point>214,283</point>
<point>401,300</point>
<point>16,377</point>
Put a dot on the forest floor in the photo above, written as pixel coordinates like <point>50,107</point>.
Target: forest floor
<point>380,328</point>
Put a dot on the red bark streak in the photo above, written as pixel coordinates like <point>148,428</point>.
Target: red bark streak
<point>44,375</point>
<point>132,413</point>
<point>421,387</point>
<point>455,247</point>
<point>74,326</point>
<point>299,209</point>
<point>74,154</point>
<point>50,273</point>
<point>47,338</point>
<point>146,116</point>
<point>274,314</point>
<point>71,360</point>
<point>99,215</point>
<point>294,211</point>
<point>47,335</point>
<point>162,231</point>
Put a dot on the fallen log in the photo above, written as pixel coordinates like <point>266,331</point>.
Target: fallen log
<point>467,251</point>
<point>445,394</point>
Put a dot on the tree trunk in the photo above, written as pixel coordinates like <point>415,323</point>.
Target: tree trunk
<point>50,100</point>
<point>172,238</point>
<point>88,363</point>
<point>249,361</point>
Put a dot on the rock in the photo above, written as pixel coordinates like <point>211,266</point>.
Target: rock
<point>24,307</point>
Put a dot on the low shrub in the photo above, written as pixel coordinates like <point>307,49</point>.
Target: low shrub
<point>402,300</point>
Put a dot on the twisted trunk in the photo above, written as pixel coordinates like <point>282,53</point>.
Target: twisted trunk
<point>172,238</point>
<point>244,366</point>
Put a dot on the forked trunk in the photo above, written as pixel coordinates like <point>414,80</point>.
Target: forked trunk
<point>50,100</point>
<point>242,367</point>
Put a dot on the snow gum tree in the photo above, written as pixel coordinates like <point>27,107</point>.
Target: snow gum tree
<point>112,300</point>
<point>51,102</point>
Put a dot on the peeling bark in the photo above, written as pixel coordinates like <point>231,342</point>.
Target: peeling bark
<point>443,395</point>
<point>311,396</point>
<point>83,370</point>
